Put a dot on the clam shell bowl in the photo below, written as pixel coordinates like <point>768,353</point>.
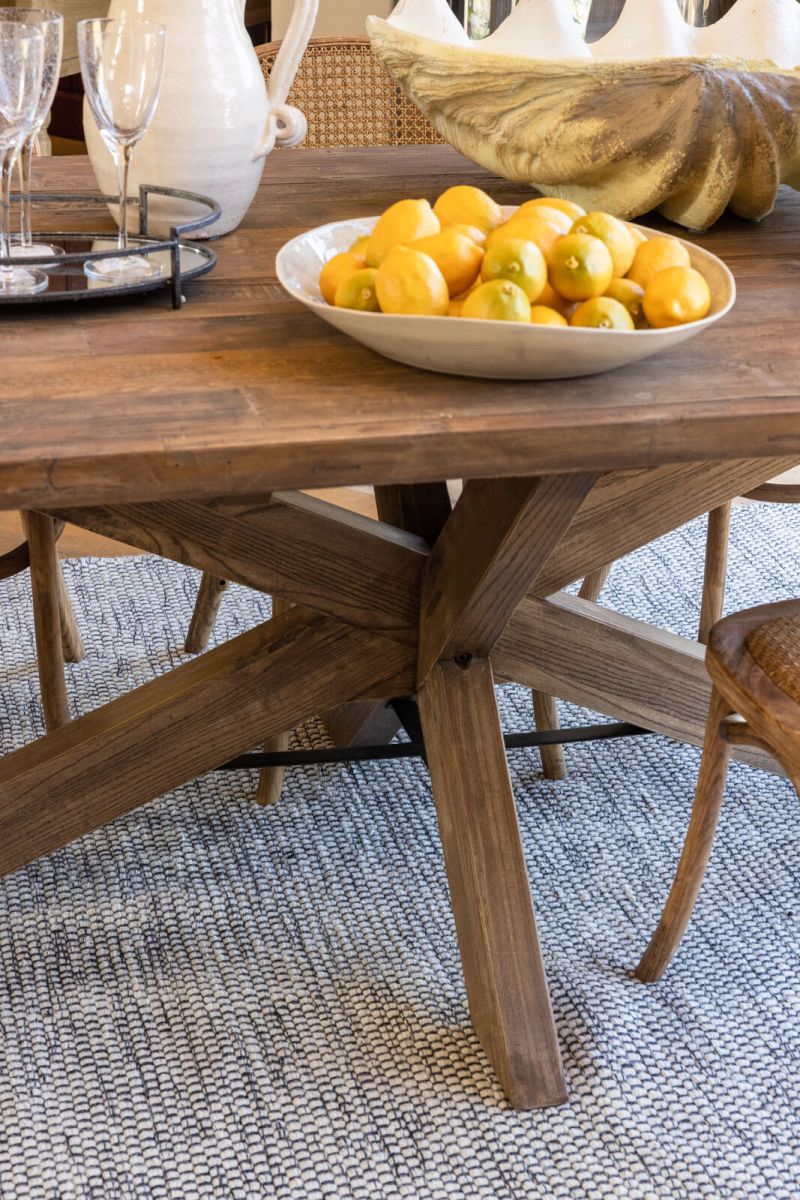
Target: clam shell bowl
<point>485,349</point>
<point>656,115</point>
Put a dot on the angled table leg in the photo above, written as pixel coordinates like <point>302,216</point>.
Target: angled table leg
<point>506,984</point>
<point>492,550</point>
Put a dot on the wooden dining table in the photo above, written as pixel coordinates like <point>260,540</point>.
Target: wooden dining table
<point>195,435</point>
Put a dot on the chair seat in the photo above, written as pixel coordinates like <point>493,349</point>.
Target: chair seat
<point>775,646</point>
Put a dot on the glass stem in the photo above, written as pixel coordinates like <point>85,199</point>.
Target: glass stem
<point>6,165</point>
<point>25,176</point>
<point>124,166</point>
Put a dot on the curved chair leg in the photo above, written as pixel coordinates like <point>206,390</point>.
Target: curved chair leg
<point>719,528</point>
<point>594,583</point>
<point>697,847</point>
<point>270,784</point>
<point>206,608</point>
<point>546,716</point>
<point>71,642</point>
<point>49,597</point>
<point>545,711</point>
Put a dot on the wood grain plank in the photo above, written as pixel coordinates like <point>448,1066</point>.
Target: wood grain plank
<point>507,989</point>
<point>183,724</point>
<point>490,553</point>
<point>298,547</point>
<point>628,509</point>
<point>263,395</point>
<point>613,664</point>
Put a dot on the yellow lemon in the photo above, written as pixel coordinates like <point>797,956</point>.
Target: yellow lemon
<point>498,300</point>
<point>657,254</point>
<point>602,313</point>
<point>636,233</point>
<point>478,236</point>
<point>676,297</point>
<point>336,270</point>
<point>554,215</point>
<point>614,233</point>
<point>571,210</point>
<point>359,246</point>
<point>403,223</point>
<point>581,267</point>
<point>542,315</point>
<point>410,282</point>
<point>551,299</point>
<point>457,302</point>
<point>466,205</point>
<point>521,262</point>
<point>456,256</point>
<point>359,291</point>
<point>528,229</point>
<point>631,295</point>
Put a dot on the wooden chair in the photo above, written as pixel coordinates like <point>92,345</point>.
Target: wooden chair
<point>754,662</point>
<point>57,637</point>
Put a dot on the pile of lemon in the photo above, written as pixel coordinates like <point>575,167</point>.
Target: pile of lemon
<point>551,263</point>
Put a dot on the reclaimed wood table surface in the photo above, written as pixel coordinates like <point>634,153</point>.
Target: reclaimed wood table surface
<point>189,434</point>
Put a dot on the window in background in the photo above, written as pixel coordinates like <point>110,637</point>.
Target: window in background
<point>485,15</point>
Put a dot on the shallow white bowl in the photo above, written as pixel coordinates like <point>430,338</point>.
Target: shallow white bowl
<point>486,349</point>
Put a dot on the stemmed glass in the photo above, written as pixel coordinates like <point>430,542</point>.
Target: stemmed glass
<point>51,25</point>
<point>21,67</point>
<point>122,65</point>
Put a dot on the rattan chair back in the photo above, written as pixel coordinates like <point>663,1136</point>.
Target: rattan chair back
<point>349,99</point>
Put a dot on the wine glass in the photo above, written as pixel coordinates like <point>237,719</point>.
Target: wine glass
<point>51,25</point>
<point>122,65</point>
<point>21,68</point>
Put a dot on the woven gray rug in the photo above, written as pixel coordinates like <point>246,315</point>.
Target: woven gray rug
<point>212,1000</point>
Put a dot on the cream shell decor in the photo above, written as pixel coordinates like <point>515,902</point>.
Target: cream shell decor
<point>656,115</point>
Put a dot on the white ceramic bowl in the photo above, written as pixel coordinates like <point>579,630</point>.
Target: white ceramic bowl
<point>486,349</point>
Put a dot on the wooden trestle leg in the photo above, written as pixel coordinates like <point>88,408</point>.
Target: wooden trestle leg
<point>490,553</point>
<point>509,1001</point>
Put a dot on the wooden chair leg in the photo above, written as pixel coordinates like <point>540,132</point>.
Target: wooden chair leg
<point>206,608</point>
<point>71,642</point>
<point>594,583</point>
<point>545,710</point>
<point>545,714</point>
<point>270,783</point>
<point>48,599</point>
<point>697,847</point>
<point>719,528</point>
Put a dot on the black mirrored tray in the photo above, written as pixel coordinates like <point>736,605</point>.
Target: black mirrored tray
<point>180,260</point>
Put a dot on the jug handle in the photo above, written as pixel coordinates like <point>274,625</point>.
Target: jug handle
<point>287,126</point>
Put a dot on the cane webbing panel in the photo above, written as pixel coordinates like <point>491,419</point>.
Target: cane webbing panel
<point>349,99</point>
<point>775,646</point>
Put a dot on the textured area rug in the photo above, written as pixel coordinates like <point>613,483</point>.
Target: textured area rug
<point>212,1000</point>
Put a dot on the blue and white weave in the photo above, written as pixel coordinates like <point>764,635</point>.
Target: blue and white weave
<point>213,1001</point>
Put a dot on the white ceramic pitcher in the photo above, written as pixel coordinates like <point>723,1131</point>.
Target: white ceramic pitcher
<point>216,121</point>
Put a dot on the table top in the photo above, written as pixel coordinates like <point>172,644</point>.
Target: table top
<point>243,391</point>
